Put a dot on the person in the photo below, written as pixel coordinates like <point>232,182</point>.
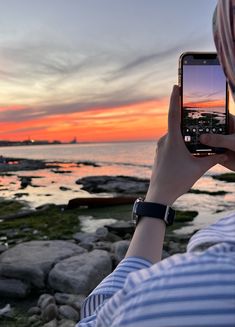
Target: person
<point>196,288</point>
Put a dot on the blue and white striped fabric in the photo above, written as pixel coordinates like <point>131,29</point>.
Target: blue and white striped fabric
<point>192,289</point>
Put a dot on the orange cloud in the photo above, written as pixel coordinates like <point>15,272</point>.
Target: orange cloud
<point>205,104</point>
<point>140,121</point>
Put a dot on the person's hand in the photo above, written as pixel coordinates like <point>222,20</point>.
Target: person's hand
<point>223,141</point>
<point>175,169</point>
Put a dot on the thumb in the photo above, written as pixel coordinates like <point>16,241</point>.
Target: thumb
<point>210,161</point>
<point>174,115</point>
<point>219,140</point>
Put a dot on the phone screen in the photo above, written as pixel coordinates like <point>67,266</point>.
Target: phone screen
<point>204,102</point>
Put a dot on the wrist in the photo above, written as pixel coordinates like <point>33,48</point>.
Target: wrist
<point>160,197</point>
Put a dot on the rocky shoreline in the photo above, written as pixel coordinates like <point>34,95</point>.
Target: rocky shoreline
<point>45,252</point>
<point>63,263</point>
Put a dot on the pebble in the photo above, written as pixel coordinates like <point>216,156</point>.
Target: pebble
<point>120,248</point>
<point>68,312</point>
<point>77,305</point>
<point>34,311</point>
<point>66,323</point>
<point>87,246</point>
<point>42,298</point>
<point>3,247</point>
<point>48,300</point>
<point>50,313</point>
<point>33,318</point>
<point>67,298</point>
<point>37,323</point>
<point>52,323</point>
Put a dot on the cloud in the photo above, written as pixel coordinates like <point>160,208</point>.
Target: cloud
<point>62,80</point>
<point>26,129</point>
<point>32,113</point>
<point>159,55</point>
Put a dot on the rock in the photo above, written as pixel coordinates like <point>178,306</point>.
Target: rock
<point>42,298</point>
<point>120,248</point>
<point>67,298</point>
<point>114,184</point>
<point>80,274</point>
<point>52,323</point>
<point>85,237</point>
<point>34,311</point>
<point>68,312</point>
<point>37,323</point>
<point>36,259</point>
<point>13,288</point>
<point>48,300</point>
<point>49,313</point>
<point>88,163</point>
<point>165,254</point>
<point>19,195</point>
<point>57,171</point>
<point>25,181</point>
<point>63,188</point>
<point>33,319</point>
<point>5,310</point>
<point>106,246</point>
<point>104,235</point>
<point>3,247</point>
<point>94,202</point>
<point>66,323</point>
<point>87,246</point>
<point>121,228</point>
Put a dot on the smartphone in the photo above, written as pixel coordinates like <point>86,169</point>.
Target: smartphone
<point>204,100</point>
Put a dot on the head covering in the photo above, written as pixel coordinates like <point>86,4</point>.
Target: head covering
<point>224,37</point>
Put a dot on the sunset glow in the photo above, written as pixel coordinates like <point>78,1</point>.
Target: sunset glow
<point>92,70</point>
<point>141,121</point>
<point>206,104</point>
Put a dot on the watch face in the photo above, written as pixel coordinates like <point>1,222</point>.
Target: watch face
<point>135,217</point>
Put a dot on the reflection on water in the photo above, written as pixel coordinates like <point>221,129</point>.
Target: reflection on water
<point>129,159</point>
<point>89,225</point>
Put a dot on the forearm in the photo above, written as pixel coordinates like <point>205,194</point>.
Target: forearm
<point>147,241</point>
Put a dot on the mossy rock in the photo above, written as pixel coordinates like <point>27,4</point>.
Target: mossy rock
<point>214,193</point>
<point>58,223</point>
<point>10,206</point>
<point>227,177</point>
<point>52,223</point>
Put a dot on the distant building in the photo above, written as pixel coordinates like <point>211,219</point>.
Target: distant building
<point>74,141</point>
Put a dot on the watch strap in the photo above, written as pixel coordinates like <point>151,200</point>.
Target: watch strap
<point>153,210</point>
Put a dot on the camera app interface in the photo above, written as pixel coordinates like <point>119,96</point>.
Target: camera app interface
<point>204,103</point>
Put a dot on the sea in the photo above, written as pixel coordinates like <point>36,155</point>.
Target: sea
<point>120,158</point>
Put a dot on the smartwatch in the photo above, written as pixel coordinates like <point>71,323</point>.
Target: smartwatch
<point>152,210</point>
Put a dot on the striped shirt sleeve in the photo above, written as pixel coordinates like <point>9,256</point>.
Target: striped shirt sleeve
<point>183,290</point>
<point>187,290</point>
<point>108,287</point>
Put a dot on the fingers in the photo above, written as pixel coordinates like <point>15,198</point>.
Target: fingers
<point>174,115</point>
<point>210,161</point>
<point>218,140</point>
<point>231,123</point>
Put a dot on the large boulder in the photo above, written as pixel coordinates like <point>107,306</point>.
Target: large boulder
<point>114,184</point>
<point>13,288</point>
<point>32,261</point>
<point>120,249</point>
<point>80,274</point>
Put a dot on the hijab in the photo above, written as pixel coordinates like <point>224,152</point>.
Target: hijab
<point>224,37</point>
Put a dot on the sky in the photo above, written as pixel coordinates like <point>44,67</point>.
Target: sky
<point>204,87</point>
<point>97,70</point>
